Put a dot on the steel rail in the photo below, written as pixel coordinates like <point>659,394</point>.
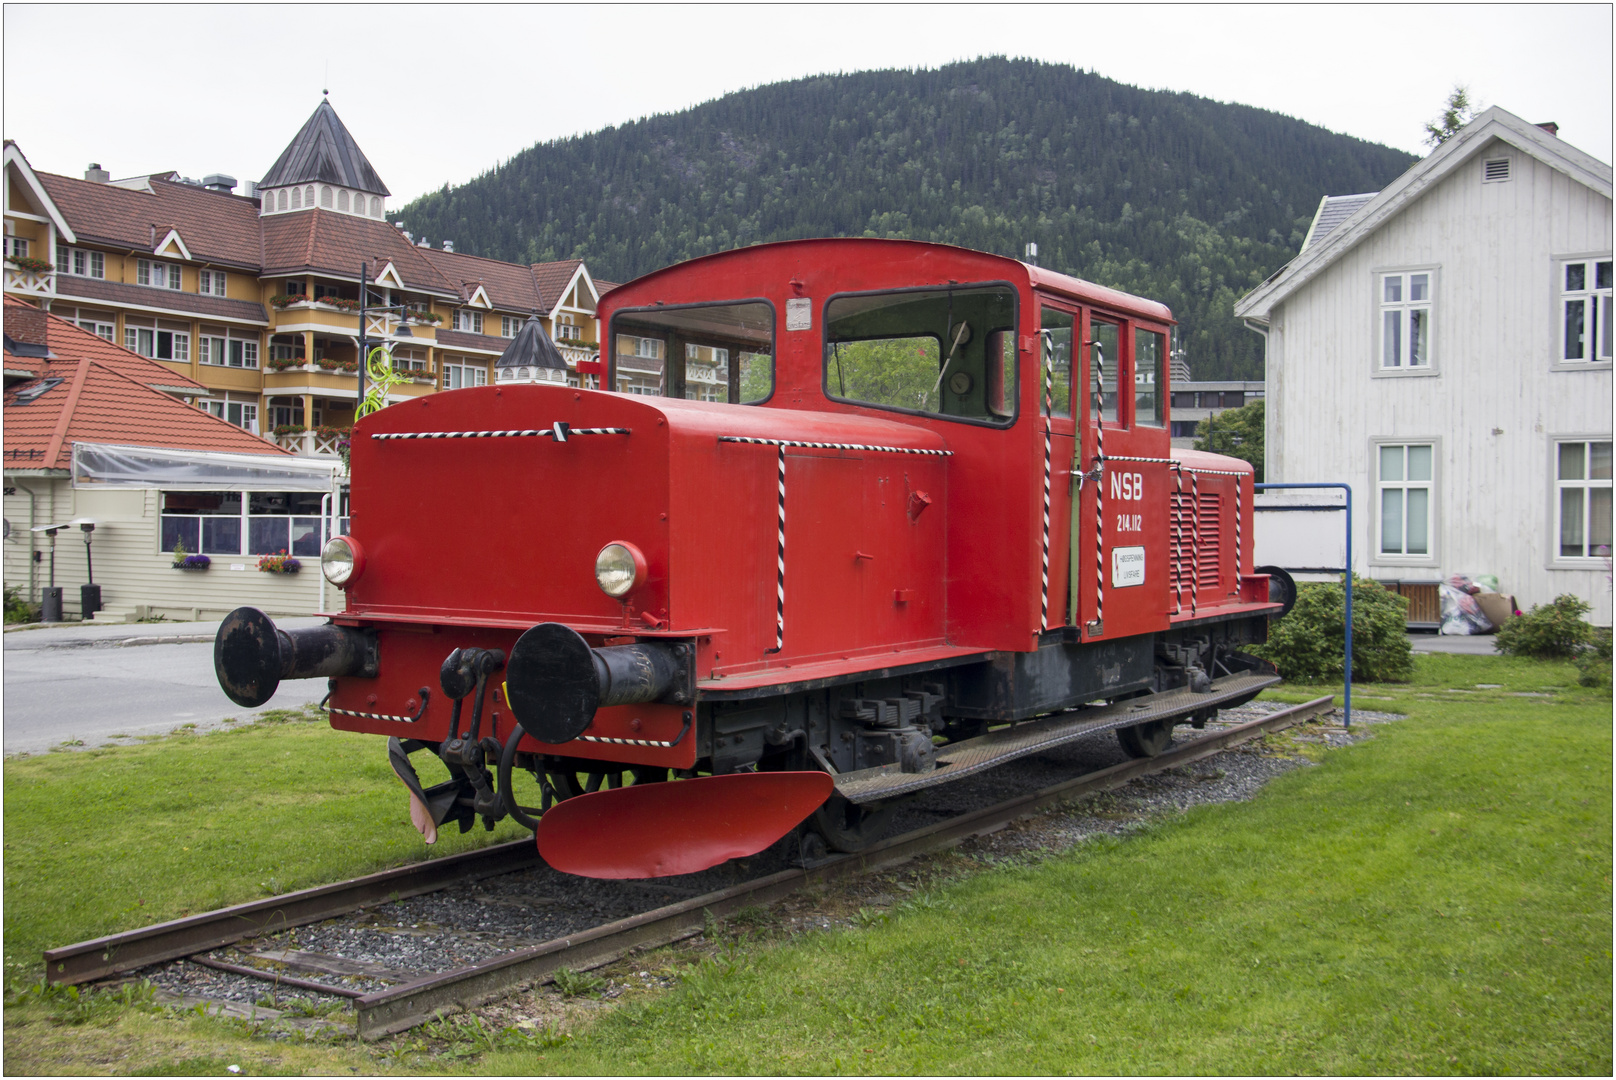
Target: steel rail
<point>133,949</point>
<point>399,1008</point>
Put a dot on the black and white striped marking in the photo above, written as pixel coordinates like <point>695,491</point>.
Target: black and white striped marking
<point>1049,404</point>
<point>782,443</point>
<point>560,431</point>
<point>780,572</point>
<point>1195,542</point>
<point>1099,486</point>
<point>375,715</point>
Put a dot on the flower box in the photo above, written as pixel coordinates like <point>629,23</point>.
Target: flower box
<point>193,562</point>
<point>279,563</point>
<point>32,265</point>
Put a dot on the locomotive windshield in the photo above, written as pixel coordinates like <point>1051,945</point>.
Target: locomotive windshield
<point>946,352</point>
<point>706,352</point>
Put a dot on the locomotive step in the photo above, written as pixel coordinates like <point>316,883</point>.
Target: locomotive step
<point>1019,740</point>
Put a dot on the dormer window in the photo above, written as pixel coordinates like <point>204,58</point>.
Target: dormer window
<point>468,320</point>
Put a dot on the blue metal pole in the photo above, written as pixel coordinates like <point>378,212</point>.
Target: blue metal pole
<point>1346,696</point>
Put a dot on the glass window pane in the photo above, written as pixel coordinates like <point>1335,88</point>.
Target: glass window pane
<point>1394,290</point>
<point>1391,463</point>
<point>1599,523</point>
<point>1149,353</point>
<point>267,535</point>
<point>1391,521</point>
<point>889,371</point>
<point>1419,521</point>
<point>1058,325</point>
<point>1602,306</point>
<point>1419,463</point>
<point>1418,338</point>
<point>1576,277</point>
<point>1571,522</point>
<point>306,536</point>
<point>1602,276</point>
<point>1599,469</point>
<point>1107,339</point>
<point>1572,457</point>
<point>1573,329</point>
<point>1419,287</point>
<point>1001,375</point>
<point>1392,347</point>
<point>182,530</point>
<point>221,536</point>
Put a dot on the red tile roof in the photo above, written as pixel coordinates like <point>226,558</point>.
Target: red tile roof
<point>552,279</point>
<point>460,339</point>
<point>69,287</point>
<point>91,402</point>
<point>70,344</point>
<point>324,240</point>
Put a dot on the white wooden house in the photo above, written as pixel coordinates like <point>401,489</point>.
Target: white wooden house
<point>1444,346</point>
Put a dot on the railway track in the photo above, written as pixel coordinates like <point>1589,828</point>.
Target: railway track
<point>406,999</point>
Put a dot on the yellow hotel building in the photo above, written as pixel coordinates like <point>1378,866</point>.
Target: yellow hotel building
<point>256,295</point>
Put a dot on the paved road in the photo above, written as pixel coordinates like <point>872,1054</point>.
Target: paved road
<point>93,683</point>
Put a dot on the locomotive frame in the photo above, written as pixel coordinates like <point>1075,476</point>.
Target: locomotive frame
<point>954,586</point>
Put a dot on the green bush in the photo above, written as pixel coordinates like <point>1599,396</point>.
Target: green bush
<point>1593,663</point>
<point>1309,643</point>
<point>1554,631</point>
<point>19,610</point>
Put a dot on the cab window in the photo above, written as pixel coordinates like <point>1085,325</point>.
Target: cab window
<point>705,352</point>
<point>1105,360</point>
<point>1057,333</point>
<point>946,352</point>
<point>1149,376</point>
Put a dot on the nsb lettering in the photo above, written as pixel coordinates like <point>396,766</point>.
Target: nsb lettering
<point>1128,487</point>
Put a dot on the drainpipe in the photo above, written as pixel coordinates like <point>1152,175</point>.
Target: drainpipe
<point>33,576</point>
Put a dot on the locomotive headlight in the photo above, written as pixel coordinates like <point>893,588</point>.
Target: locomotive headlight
<point>618,568</point>
<point>342,561</point>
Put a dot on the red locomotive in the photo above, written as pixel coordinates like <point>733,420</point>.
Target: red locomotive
<point>891,513</point>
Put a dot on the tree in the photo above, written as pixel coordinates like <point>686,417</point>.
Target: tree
<point>1237,433</point>
<point>1455,115</point>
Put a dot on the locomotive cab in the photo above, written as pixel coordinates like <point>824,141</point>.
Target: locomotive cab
<point>841,511</point>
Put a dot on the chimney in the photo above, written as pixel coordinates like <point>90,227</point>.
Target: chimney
<point>1552,128</point>
<point>219,182</point>
<point>95,174</point>
<point>448,245</point>
<point>249,188</point>
<point>406,232</point>
<point>423,242</point>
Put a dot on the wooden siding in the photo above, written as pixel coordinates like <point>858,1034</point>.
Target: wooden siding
<point>1495,404</point>
<point>130,569</point>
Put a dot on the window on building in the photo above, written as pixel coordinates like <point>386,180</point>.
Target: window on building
<point>210,282</point>
<point>242,413</point>
<point>16,247</point>
<point>468,320</point>
<point>375,206</point>
<point>325,196</point>
<point>1405,320</point>
<point>243,522</point>
<point>280,199</point>
<point>459,376</point>
<point>231,349</point>
<point>101,328</point>
<point>154,341</point>
<point>1184,429</point>
<point>569,332</point>
<point>1582,500</point>
<point>509,325</point>
<point>1403,485</point>
<point>1585,291</point>
<point>156,274</point>
<point>342,201</point>
<point>79,262</point>
<point>1149,375</point>
<point>1184,400</point>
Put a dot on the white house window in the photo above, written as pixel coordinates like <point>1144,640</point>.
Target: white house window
<point>458,376</point>
<point>243,523</point>
<point>1405,319</point>
<point>468,320</point>
<point>1585,291</point>
<point>158,344</point>
<point>508,326</point>
<point>79,262</point>
<point>157,275</point>
<point>210,282</point>
<point>97,327</point>
<point>1582,506</point>
<point>228,350</point>
<point>16,247</point>
<point>568,332</point>
<point>243,414</point>
<point>1404,499</point>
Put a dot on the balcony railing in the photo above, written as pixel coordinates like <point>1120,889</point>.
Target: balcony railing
<point>31,282</point>
<point>310,443</point>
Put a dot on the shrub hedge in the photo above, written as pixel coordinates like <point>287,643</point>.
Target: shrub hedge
<point>1309,643</point>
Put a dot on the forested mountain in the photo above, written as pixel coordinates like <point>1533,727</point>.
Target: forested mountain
<point>1171,196</point>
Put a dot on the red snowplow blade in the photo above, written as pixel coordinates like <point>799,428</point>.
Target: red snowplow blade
<point>677,827</point>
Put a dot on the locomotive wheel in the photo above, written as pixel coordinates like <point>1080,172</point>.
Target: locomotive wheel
<point>849,827</point>
<point>1146,740</point>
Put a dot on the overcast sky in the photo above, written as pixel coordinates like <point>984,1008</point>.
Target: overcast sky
<point>439,95</point>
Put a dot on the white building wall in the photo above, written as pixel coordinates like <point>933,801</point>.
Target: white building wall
<point>130,567</point>
<point>1494,403</point>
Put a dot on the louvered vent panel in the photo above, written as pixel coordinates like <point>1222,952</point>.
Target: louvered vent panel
<point>1183,538</point>
<point>1495,170</point>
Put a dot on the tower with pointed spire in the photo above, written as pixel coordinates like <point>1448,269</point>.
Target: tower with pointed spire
<point>323,166</point>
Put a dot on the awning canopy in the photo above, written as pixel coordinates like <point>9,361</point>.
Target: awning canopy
<point>103,465</point>
<point>531,347</point>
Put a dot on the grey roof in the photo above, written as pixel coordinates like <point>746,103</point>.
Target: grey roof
<point>323,150</point>
<point>1333,210</point>
<point>531,347</point>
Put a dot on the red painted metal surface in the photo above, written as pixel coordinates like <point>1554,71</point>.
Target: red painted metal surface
<point>680,827</point>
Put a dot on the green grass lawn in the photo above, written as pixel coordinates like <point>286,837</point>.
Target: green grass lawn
<point>1436,899</point>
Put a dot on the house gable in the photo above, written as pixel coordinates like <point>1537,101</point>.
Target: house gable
<point>173,246</point>
<point>20,175</point>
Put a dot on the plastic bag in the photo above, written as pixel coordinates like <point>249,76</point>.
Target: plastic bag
<point>1460,612</point>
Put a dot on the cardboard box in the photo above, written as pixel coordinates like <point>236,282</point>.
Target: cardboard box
<point>1496,606</point>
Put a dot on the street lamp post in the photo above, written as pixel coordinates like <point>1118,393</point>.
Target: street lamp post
<point>364,340</point>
